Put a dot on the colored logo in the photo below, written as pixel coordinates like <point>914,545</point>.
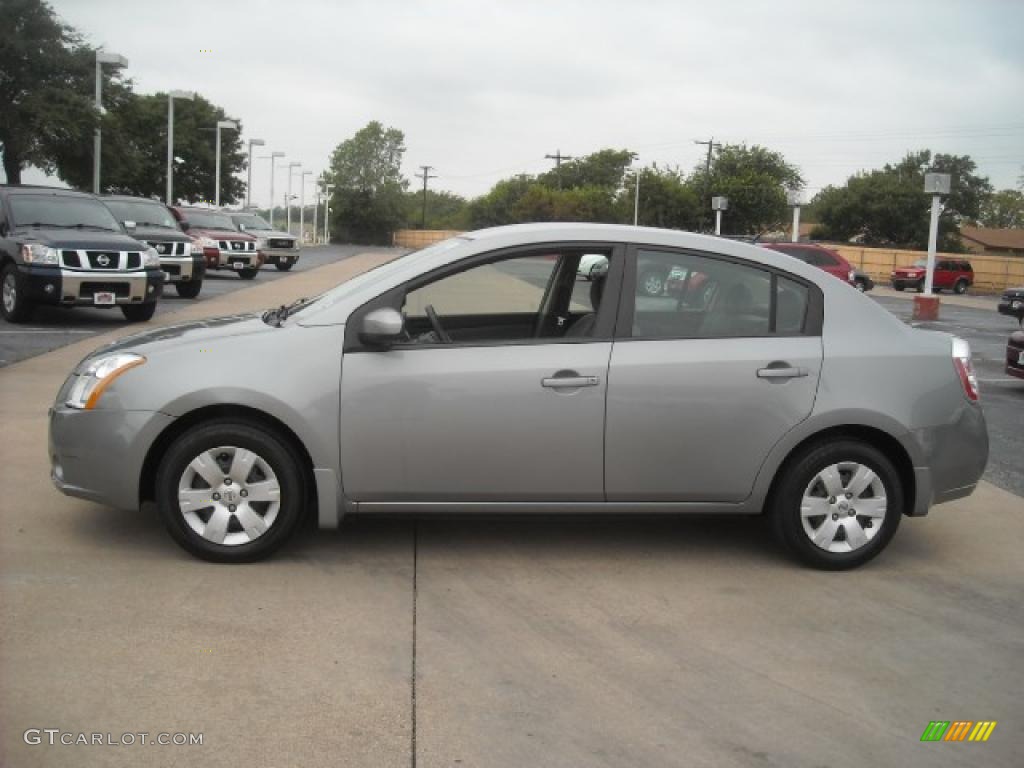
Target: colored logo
<point>958,730</point>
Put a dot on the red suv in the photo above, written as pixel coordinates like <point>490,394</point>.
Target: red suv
<point>817,256</point>
<point>955,274</point>
<point>224,247</point>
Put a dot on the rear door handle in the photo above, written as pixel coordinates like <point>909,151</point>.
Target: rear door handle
<point>569,381</point>
<point>781,373</point>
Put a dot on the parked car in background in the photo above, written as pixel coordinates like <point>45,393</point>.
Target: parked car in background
<point>1012,303</point>
<point>65,248</point>
<point>224,247</point>
<point>776,390</point>
<point>278,248</point>
<point>150,222</point>
<point>817,256</point>
<point>1015,354</point>
<point>955,274</point>
<point>862,281</point>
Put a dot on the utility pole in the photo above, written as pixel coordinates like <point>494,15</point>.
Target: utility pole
<point>558,157</point>
<point>425,175</point>
<point>707,173</point>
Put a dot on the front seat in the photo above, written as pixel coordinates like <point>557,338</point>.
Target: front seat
<point>585,325</point>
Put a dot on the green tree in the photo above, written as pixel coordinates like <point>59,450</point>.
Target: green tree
<point>497,207</point>
<point>889,206</point>
<point>368,201</point>
<point>541,203</point>
<point>445,210</point>
<point>754,179</point>
<point>604,169</point>
<point>135,151</point>
<point>46,87</point>
<point>666,200</point>
<point>1003,210</point>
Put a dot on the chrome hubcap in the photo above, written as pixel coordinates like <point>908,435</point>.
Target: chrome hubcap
<point>229,495</point>
<point>843,507</point>
<point>653,284</point>
<point>10,293</point>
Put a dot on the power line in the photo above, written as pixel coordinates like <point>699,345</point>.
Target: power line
<point>426,176</point>
<point>558,157</point>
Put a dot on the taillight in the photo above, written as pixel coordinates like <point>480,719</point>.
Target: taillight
<point>964,368</point>
<point>852,276</point>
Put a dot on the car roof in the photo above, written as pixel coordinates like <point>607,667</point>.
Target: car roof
<point>34,189</point>
<point>131,198</point>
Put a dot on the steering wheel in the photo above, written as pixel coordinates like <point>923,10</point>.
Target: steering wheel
<point>435,321</point>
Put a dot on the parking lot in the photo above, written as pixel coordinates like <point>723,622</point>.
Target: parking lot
<point>495,642</point>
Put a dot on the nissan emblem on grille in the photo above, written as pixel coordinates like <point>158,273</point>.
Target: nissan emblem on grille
<point>103,260</point>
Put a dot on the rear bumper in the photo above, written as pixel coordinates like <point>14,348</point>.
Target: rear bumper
<point>955,455</point>
<point>71,288</point>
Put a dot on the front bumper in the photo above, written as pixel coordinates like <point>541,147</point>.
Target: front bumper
<point>281,255</point>
<point>98,455</point>
<point>235,260</point>
<point>1015,355</point>
<point>1006,306</point>
<point>907,282</point>
<point>76,288</point>
<point>183,269</point>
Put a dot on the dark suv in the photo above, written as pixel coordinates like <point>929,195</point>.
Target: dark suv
<point>150,222</point>
<point>65,248</point>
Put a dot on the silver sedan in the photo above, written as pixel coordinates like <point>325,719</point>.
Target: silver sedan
<point>480,375</point>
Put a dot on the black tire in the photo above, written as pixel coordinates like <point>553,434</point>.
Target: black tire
<point>960,287</point>
<point>248,273</point>
<point>284,264</point>
<point>190,289</point>
<point>860,285</point>
<point>271,449</point>
<point>898,287</point>
<point>138,313</point>
<point>798,474</point>
<point>14,306</point>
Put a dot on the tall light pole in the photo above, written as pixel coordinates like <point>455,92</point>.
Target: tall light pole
<point>290,197</point>
<point>302,205</point>
<point>229,125</point>
<point>719,204</point>
<point>316,209</point>
<point>273,168</point>
<point>171,96</point>
<point>793,197</point>
<point>115,60</point>
<point>248,184</point>
<point>327,213</point>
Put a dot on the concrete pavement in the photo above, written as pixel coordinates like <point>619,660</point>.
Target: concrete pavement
<point>553,642</point>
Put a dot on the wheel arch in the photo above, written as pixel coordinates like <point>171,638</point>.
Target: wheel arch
<point>157,450</point>
<point>876,437</point>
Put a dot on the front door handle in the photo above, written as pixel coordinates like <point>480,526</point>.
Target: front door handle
<point>569,380</point>
<point>781,372</point>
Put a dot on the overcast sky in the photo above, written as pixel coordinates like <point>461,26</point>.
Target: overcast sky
<point>484,90</point>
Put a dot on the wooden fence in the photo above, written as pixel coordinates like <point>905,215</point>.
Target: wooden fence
<point>992,274</point>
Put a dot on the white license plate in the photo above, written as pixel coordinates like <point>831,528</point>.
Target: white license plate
<point>238,265</point>
<point>1017,304</point>
<point>103,298</point>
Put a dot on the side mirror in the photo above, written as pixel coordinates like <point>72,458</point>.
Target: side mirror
<point>130,226</point>
<point>185,226</point>
<point>382,327</point>
<point>241,227</point>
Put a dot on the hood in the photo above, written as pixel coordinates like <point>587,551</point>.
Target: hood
<point>81,239</point>
<point>160,233</point>
<point>1016,293</point>
<point>219,234</point>
<point>908,270</point>
<point>198,332</point>
<point>274,233</point>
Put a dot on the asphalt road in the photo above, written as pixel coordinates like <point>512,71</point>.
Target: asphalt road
<point>1002,397</point>
<point>53,327</point>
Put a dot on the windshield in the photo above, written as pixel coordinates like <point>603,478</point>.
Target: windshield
<point>60,211</point>
<point>142,212</point>
<point>249,221</point>
<point>208,219</point>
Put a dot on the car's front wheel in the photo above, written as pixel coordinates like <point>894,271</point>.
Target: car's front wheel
<point>284,264</point>
<point>837,504</point>
<point>248,273</point>
<point>230,492</point>
<point>16,307</point>
<point>190,289</point>
<point>138,313</point>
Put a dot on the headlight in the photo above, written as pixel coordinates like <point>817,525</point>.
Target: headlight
<point>97,376</point>
<point>261,243</point>
<point>205,242</point>
<point>151,258</point>
<point>39,254</point>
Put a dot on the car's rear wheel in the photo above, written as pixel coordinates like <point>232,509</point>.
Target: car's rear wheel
<point>138,313</point>
<point>838,504</point>
<point>230,491</point>
<point>190,289</point>
<point>248,273</point>
<point>960,287</point>
<point>15,306</point>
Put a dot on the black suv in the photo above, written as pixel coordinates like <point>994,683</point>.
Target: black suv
<point>150,222</point>
<point>65,248</point>
<point>1012,303</point>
